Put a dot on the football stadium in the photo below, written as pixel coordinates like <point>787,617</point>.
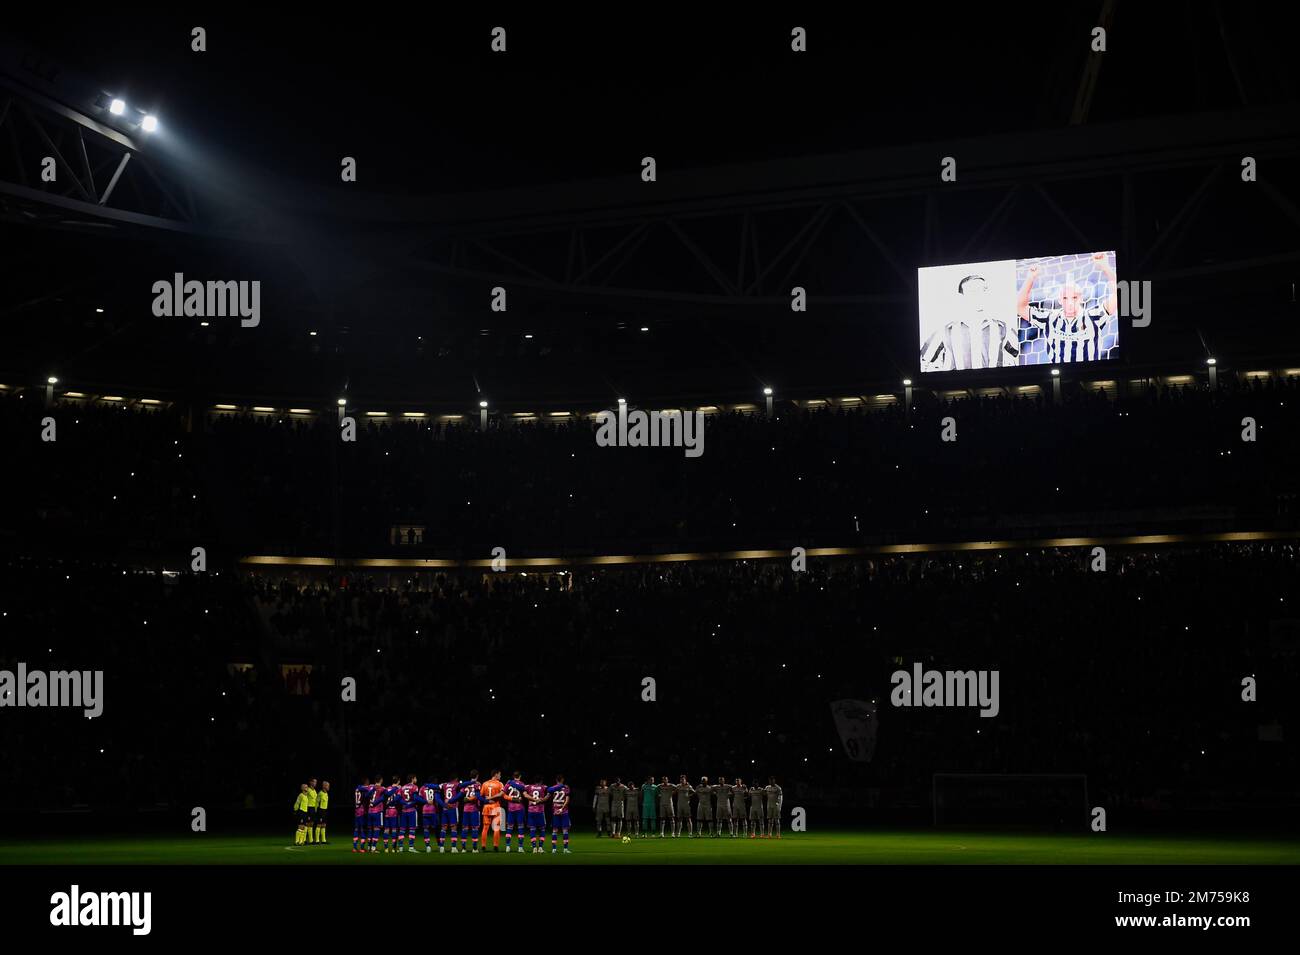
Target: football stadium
<point>665,443</point>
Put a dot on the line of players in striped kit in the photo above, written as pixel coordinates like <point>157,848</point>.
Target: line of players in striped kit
<point>718,805</point>
<point>459,813</point>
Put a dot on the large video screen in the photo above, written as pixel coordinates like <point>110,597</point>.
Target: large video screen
<point>1049,310</point>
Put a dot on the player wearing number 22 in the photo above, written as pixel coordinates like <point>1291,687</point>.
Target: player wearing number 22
<point>559,795</point>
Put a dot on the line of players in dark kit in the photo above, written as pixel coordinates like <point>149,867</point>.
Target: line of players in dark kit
<point>731,806</point>
<point>459,813</point>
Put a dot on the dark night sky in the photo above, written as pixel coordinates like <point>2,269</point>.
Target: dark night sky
<point>432,110</point>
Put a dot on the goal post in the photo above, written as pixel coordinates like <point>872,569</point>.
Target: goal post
<point>1057,801</point>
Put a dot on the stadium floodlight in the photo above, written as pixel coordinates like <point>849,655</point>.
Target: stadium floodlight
<point>117,107</point>
<point>482,404</point>
<point>622,401</point>
<point>1211,361</point>
<point>343,402</point>
<point>645,328</point>
<point>767,391</point>
<point>150,123</point>
<point>99,311</point>
<point>1055,372</point>
<point>52,380</point>
<point>907,382</point>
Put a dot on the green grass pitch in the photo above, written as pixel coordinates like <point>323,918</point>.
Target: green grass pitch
<point>844,847</point>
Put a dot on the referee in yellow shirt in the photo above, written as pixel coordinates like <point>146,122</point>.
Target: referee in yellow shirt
<point>313,799</point>
<point>300,814</point>
<point>323,804</point>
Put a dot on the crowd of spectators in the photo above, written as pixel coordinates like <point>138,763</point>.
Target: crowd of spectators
<point>1173,458</point>
<point>1131,675</point>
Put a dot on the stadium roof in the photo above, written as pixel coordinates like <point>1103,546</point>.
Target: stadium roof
<point>522,171</point>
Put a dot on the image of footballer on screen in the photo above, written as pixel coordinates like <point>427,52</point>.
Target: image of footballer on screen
<point>1067,306</point>
<point>967,319</point>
